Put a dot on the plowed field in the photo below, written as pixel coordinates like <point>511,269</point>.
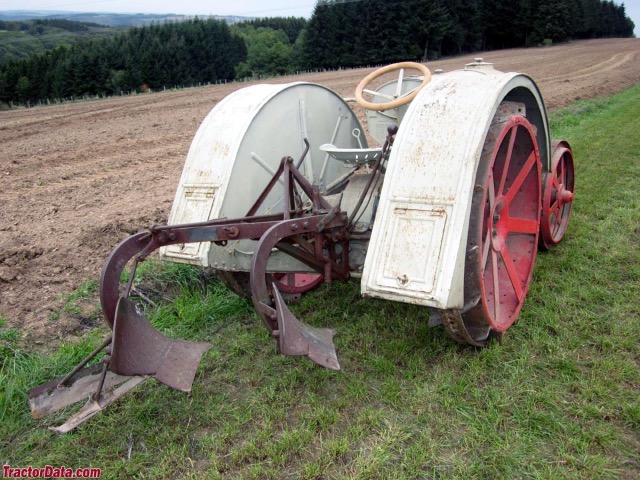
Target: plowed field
<point>77,178</point>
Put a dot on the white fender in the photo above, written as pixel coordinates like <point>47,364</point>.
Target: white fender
<point>238,148</point>
<point>417,249</point>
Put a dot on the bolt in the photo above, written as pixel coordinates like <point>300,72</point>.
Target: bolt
<point>567,196</point>
<point>231,231</point>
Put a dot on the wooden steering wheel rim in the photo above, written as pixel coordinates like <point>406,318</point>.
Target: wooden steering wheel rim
<point>398,102</point>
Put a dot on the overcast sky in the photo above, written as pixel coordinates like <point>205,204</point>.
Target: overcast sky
<point>632,7</point>
<point>245,8</point>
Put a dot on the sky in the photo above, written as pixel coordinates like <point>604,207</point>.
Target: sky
<point>632,7</point>
<point>244,8</point>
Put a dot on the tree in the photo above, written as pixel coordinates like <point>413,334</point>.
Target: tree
<point>23,90</point>
<point>552,21</point>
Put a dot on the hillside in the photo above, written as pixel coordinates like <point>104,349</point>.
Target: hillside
<point>109,19</point>
<point>20,39</point>
<point>23,33</point>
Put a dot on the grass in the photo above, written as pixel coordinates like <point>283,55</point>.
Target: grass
<point>559,398</point>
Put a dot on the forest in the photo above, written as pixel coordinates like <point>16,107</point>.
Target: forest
<point>340,33</point>
<point>21,39</point>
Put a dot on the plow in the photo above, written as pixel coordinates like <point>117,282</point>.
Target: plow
<point>282,191</point>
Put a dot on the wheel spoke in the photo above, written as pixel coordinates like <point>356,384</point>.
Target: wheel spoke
<point>486,246</point>
<point>290,279</point>
<point>407,93</point>
<point>380,94</point>
<point>517,183</point>
<point>521,225</point>
<point>400,79</point>
<point>513,273</point>
<point>496,285</point>
<point>487,240</point>
<point>555,223</point>
<point>507,160</point>
<point>492,192</point>
<point>561,171</point>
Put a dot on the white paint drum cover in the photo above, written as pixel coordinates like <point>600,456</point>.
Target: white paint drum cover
<point>239,146</point>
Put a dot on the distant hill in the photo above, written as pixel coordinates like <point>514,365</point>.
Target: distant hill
<point>20,39</point>
<point>24,33</point>
<point>109,19</point>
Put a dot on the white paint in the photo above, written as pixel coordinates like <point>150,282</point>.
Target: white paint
<point>419,257</point>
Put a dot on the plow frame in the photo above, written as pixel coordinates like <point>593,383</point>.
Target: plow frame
<point>317,236</point>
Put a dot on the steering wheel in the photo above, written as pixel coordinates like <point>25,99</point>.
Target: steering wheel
<point>399,98</point>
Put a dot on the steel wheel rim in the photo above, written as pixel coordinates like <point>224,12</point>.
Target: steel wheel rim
<point>508,235</point>
<point>558,196</point>
<point>297,283</point>
<point>292,283</point>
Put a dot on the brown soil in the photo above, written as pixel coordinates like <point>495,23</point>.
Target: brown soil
<point>79,177</point>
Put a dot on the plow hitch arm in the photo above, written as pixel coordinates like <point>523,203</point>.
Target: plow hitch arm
<point>136,351</point>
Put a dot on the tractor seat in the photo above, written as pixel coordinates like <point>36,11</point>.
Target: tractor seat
<point>353,156</point>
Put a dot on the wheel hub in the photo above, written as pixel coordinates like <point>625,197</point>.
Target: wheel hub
<point>558,197</point>
<point>499,230</point>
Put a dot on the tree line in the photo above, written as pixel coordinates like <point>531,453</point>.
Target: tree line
<point>340,33</point>
<point>353,33</point>
<point>150,57</point>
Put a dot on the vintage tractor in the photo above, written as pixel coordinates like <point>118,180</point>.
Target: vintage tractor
<point>282,191</point>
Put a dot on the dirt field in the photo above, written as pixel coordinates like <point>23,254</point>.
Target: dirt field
<point>78,178</point>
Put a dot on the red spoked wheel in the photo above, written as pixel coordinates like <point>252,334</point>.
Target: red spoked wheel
<point>291,283</point>
<point>557,197</point>
<point>297,283</point>
<point>503,231</point>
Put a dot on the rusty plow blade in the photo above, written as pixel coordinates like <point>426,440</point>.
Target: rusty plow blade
<point>138,351</point>
<point>54,395</point>
<point>296,338</point>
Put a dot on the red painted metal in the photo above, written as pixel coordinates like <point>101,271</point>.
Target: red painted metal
<point>503,232</point>
<point>297,283</point>
<point>558,194</point>
<point>511,217</point>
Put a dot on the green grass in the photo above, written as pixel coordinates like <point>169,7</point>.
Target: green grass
<point>559,398</point>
